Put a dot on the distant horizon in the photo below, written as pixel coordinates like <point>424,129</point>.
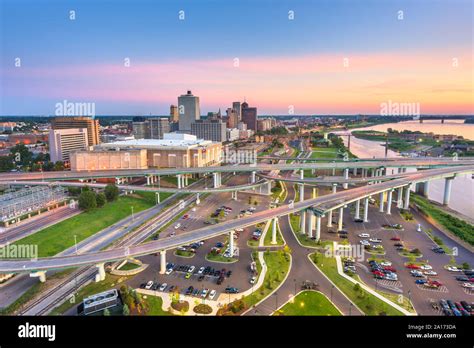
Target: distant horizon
<point>262,115</point>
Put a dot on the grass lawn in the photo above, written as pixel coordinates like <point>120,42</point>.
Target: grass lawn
<point>129,266</point>
<point>60,236</point>
<point>155,304</point>
<point>309,303</point>
<point>268,236</point>
<point>458,227</point>
<point>184,253</point>
<point>278,263</point>
<point>368,303</point>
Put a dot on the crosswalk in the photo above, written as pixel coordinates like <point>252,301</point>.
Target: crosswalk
<point>389,283</point>
<point>468,291</point>
<point>439,289</point>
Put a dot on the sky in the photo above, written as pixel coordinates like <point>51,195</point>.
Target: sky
<point>299,56</point>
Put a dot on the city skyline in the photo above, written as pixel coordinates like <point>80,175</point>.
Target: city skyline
<point>326,60</point>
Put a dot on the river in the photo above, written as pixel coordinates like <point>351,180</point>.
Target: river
<point>462,190</point>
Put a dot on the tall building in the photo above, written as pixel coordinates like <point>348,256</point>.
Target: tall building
<point>214,130</point>
<point>232,118</point>
<point>249,116</point>
<point>174,116</point>
<point>68,122</point>
<point>238,109</point>
<point>140,129</point>
<point>62,142</point>
<point>158,127</point>
<point>189,111</point>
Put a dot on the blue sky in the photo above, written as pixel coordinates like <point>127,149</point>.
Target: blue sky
<point>149,32</point>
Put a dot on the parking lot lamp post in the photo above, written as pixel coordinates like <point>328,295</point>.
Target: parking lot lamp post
<point>75,243</point>
<point>133,216</point>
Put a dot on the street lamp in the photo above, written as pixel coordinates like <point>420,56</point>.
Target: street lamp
<point>75,243</point>
<point>133,217</point>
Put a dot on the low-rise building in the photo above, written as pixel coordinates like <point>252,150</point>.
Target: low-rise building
<point>109,159</point>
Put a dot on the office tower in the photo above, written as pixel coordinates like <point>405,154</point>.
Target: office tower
<point>68,122</point>
<point>189,111</point>
<point>158,126</point>
<point>232,118</point>
<point>214,130</point>
<point>249,116</point>
<point>64,141</point>
<point>238,109</point>
<point>140,128</point>
<point>174,116</point>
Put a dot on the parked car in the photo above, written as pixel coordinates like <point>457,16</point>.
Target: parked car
<point>149,285</point>
<point>412,266</point>
<point>420,281</point>
<point>364,235</point>
<point>395,239</point>
<point>231,290</point>
<point>426,267</point>
<point>163,286</point>
<point>204,293</point>
<point>430,273</point>
<point>453,269</point>
<point>253,279</point>
<point>212,294</point>
<point>189,290</point>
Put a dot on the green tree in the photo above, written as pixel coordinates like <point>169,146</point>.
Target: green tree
<point>101,199</point>
<point>87,201</point>
<point>106,312</point>
<point>111,192</point>
<point>58,166</point>
<point>125,310</point>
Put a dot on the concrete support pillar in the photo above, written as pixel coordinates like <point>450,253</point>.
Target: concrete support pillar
<point>101,274</point>
<point>366,209</point>
<point>231,243</point>
<point>253,177</point>
<point>355,171</point>
<point>162,261</point>
<point>274,231</point>
<point>357,212</point>
<point>381,202</point>
<point>148,180</point>
<point>216,180</point>
<point>301,192</point>
<point>198,200</point>
<point>303,222</point>
<point>178,179</point>
<point>447,190</point>
<point>329,219</point>
<point>310,223</point>
<point>314,193</point>
<point>301,174</point>
<point>425,188</point>
<point>333,171</point>
<point>41,275</point>
<point>186,180</point>
<point>158,200</point>
<point>407,197</point>
<point>400,197</point>
<point>318,228</point>
<point>389,202</point>
<point>334,188</point>
<point>346,177</point>
<point>341,215</point>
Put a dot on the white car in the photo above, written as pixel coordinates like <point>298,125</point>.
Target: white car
<point>201,270</point>
<point>194,209</point>
<point>454,269</point>
<point>426,267</point>
<point>178,225</point>
<point>386,263</point>
<point>364,242</point>
<point>431,273</point>
<point>468,285</point>
<point>375,240</point>
<point>149,285</point>
<point>163,286</point>
<point>253,280</point>
<point>212,294</point>
<point>169,271</point>
<point>364,235</point>
<point>239,230</point>
<point>391,276</point>
<point>204,293</point>
<point>191,269</point>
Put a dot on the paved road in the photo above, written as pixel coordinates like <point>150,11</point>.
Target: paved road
<point>35,224</point>
<point>302,269</point>
<point>322,204</point>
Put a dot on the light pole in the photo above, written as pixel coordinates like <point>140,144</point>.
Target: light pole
<point>133,217</point>
<point>75,243</point>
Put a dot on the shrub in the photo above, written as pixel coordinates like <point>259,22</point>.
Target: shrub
<point>202,309</point>
<point>101,199</point>
<point>87,201</point>
<point>111,192</point>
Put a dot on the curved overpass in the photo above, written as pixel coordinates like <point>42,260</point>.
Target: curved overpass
<point>68,175</point>
<point>142,188</point>
<point>320,205</point>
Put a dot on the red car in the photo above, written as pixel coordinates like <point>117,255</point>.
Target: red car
<point>395,238</point>
<point>390,268</point>
<point>412,266</point>
<point>378,273</point>
<point>185,216</point>
<point>435,283</point>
